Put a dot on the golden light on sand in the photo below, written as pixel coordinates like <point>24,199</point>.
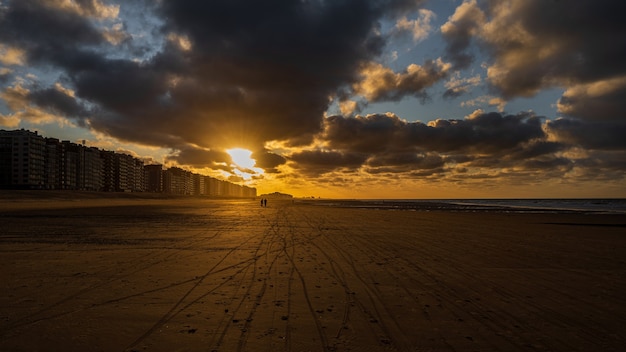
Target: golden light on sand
<point>522,271</point>
<point>241,157</point>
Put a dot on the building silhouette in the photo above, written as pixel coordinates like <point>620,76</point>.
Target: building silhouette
<point>30,161</point>
<point>22,158</point>
<point>153,178</point>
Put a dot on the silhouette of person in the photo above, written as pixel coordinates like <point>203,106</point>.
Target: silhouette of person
<point>265,202</point>
<point>261,201</point>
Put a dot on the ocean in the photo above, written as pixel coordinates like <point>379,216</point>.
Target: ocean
<point>583,205</point>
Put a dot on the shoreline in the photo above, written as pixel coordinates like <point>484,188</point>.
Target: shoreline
<point>547,205</point>
<point>514,205</point>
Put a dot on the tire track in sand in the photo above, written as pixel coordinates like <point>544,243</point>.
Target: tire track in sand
<point>174,310</point>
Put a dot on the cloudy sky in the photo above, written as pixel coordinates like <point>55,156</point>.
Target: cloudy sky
<point>341,98</point>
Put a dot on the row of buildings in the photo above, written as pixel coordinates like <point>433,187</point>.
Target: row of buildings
<point>31,161</point>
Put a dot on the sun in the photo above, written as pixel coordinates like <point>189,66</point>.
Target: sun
<point>241,157</point>
<point>243,163</point>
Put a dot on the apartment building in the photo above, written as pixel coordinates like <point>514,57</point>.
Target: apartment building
<point>177,181</point>
<point>153,178</point>
<point>30,161</point>
<point>22,157</point>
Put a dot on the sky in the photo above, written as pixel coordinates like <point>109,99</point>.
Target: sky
<point>334,99</point>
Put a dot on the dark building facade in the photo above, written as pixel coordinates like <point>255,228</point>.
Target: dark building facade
<point>22,158</point>
<point>30,161</point>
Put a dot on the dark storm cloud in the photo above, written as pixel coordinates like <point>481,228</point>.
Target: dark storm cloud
<point>385,143</point>
<point>459,31</point>
<point>49,35</point>
<point>268,161</point>
<point>537,44</point>
<point>582,102</point>
<point>536,148</point>
<point>317,162</point>
<point>366,134</point>
<point>591,34</point>
<point>201,158</point>
<point>482,132</point>
<point>122,86</point>
<point>590,134</point>
<point>405,163</point>
<point>556,163</point>
<point>58,102</point>
<point>273,64</point>
<point>232,73</point>
<point>605,165</point>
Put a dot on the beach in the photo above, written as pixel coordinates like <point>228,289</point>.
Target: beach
<point>108,273</point>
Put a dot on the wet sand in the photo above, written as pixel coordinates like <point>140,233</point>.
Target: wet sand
<point>182,274</point>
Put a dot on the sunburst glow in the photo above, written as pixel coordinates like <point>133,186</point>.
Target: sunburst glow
<point>244,165</point>
<point>241,157</point>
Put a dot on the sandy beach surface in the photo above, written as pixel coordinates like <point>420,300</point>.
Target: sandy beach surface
<point>187,274</point>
